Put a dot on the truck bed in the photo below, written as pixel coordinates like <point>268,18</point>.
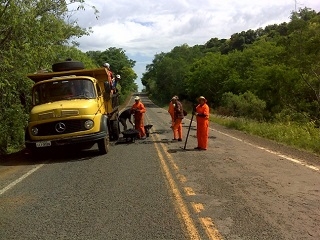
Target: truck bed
<point>99,73</point>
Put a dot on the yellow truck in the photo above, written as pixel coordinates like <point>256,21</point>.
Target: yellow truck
<point>72,107</point>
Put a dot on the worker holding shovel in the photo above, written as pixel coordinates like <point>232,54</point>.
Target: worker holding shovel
<point>202,115</point>
<point>201,111</point>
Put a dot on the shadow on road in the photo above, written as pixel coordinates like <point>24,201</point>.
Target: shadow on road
<point>24,158</point>
<point>182,150</point>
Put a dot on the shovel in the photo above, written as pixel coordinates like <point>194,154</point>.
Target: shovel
<point>185,144</point>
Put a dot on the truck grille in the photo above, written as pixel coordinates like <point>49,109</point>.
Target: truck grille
<point>47,115</point>
<point>61,127</point>
<point>68,113</point>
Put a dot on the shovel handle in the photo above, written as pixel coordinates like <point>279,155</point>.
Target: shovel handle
<point>185,144</point>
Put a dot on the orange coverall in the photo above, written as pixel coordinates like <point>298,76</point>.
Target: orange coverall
<point>171,112</point>
<point>138,110</point>
<point>110,79</point>
<point>202,113</point>
<point>177,124</point>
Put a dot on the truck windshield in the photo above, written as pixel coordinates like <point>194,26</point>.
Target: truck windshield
<point>63,90</point>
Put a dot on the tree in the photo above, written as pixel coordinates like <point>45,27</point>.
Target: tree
<point>207,76</point>
<point>119,64</point>
<point>32,35</point>
<point>303,54</point>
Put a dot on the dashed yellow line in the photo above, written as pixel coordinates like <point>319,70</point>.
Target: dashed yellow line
<point>197,207</point>
<point>189,191</point>
<point>210,229</point>
<point>181,178</point>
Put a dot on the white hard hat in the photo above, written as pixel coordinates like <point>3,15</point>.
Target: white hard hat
<point>118,76</point>
<point>175,97</point>
<point>106,65</point>
<point>137,98</point>
<point>202,98</point>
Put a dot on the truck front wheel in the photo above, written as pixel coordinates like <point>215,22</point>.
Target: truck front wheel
<point>103,145</point>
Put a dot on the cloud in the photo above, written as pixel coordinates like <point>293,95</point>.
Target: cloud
<point>146,27</point>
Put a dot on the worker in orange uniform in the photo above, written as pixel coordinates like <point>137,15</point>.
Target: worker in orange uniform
<point>178,116</point>
<point>138,109</point>
<point>110,76</point>
<point>202,115</point>
<point>171,111</point>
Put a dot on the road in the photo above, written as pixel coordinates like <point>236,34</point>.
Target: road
<point>241,188</point>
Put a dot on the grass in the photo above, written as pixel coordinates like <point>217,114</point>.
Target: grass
<point>305,137</point>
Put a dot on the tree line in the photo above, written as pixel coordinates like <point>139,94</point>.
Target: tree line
<point>270,74</point>
<point>34,34</point>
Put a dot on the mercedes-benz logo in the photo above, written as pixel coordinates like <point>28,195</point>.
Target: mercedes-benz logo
<point>60,127</point>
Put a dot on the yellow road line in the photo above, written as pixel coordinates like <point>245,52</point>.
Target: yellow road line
<point>198,207</point>
<point>208,225</point>
<point>181,178</point>
<point>189,191</point>
<point>180,204</point>
<point>210,229</point>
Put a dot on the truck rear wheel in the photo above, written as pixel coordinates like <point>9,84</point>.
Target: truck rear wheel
<point>103,145</point>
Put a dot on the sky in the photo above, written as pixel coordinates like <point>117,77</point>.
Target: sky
<point>144,28</point>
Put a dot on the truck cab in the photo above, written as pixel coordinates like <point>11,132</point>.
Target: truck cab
<point>72,108</point>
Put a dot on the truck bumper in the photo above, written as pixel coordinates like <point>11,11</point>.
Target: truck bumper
<point>75,140</point>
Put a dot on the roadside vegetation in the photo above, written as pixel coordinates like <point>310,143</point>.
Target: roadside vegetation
<point>301,136</point>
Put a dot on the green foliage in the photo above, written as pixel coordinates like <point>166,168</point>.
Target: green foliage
<point>288,115</point>
<point>116,57</point>
<point>12,134</point>
<point>244,105</point>
<point>302,48</point>
<point>33,35</point>
<point>119,64</point>
<point>167,75</point>
<point>207,76</point>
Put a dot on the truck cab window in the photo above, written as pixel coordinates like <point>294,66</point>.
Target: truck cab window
<point>63,90</point>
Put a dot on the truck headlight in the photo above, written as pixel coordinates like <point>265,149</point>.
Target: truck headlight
<point>34,131</point>
<point>88,124</point>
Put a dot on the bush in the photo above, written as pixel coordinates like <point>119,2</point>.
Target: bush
<point>13,121</point>
<point>288,115</point>
<point>245,105</point>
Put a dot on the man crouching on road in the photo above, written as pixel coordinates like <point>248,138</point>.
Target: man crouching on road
<point>124,116</point>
